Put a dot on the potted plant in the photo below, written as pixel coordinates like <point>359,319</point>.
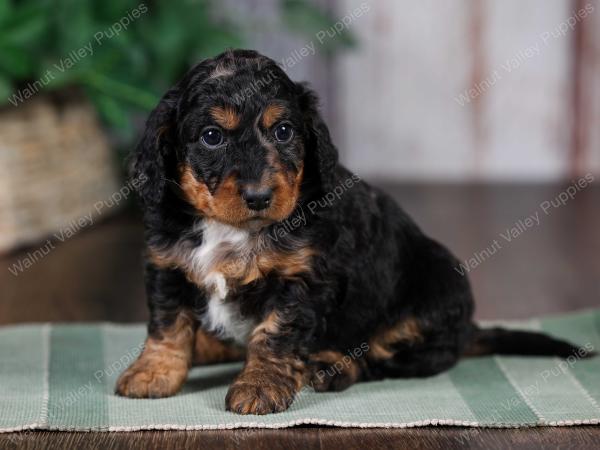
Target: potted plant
<point>72,70</point>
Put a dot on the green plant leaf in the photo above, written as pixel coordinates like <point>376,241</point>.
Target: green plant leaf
<point>5,8</point>
<point>6,90</point>
<point>121,90</point>
<point>110,110</point>
<point>23,26</point>
<point>15,62</point>
<point>77,27</point>
<point>125,74</point>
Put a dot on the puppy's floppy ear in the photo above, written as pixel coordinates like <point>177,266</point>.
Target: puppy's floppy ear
<point>148,159</point>
<point>320,151</point>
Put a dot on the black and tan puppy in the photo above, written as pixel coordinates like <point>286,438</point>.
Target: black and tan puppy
<point>261,247</point>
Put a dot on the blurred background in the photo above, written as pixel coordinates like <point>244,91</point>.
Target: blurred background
<point>472,113</point>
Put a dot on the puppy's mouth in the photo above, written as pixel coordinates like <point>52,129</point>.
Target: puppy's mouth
<point>256,223</point>
<point>254,220</point>
<point>263,218</point>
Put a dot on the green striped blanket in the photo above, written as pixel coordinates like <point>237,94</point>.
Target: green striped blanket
<point>61,377</point>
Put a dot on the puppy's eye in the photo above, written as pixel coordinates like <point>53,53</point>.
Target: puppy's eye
<point>283,132</point>
<point>212,137</point>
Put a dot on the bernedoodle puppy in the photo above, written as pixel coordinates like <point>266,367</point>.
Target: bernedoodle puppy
<point>261,247</point>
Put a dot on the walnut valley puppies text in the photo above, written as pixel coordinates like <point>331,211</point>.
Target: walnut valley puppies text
<point>76,55</point>
<point>523,225</point>
<point>70,229</point>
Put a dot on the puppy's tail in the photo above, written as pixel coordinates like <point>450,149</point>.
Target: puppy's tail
<point>500,341</point>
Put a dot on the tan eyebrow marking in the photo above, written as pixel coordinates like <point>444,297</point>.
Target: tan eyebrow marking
<point>271,114</point>
<point>225,117</point>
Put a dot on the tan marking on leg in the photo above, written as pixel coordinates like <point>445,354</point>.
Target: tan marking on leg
<point>268,326</point>
<point>407,331</point>
<point>210,350</point>
<point>162,368</point>
<point>226,117</point>
<point>334,371</point>
<point>269,381</point>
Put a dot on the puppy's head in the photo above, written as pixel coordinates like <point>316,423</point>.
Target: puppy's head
<point>238,139</point>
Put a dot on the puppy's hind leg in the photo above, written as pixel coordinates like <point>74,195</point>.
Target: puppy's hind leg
<point>432,324</point>
<point>334,371</point>
<point>406,350</point>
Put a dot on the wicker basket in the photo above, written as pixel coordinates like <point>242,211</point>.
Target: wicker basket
<point>55,164</point>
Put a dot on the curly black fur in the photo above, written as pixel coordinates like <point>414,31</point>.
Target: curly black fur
<point>372,269</point>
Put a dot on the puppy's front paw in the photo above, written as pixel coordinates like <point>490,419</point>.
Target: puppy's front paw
<point>260,395</point>
<point>147,379</point>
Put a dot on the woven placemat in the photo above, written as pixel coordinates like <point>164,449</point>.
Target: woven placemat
<point>61,377</point>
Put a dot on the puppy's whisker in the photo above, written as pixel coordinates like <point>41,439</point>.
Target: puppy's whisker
<point>172,181</point>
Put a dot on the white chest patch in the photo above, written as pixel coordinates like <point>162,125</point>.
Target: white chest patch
<point>224,318</point>
<point>201,263</point>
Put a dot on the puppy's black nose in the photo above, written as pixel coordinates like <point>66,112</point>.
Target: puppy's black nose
<point>257,199</point>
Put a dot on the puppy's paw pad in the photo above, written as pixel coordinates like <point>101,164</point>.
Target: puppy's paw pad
<point>146,381</point>
<point>252,398</point>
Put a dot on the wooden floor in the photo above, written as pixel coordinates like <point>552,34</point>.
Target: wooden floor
<point>549,267</point>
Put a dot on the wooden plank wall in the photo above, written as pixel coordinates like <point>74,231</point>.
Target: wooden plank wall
<point>300,54</point>
<point>588,130</point>
<point>471,90</point>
